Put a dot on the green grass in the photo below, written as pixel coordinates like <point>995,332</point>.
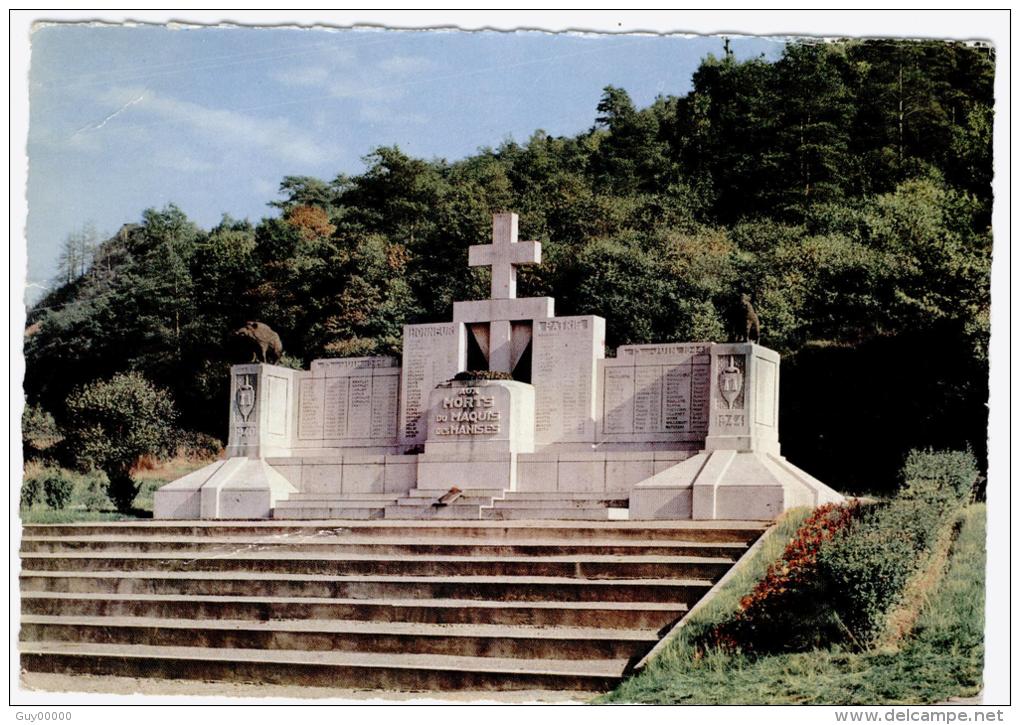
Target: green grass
<point>941,658</point>
<point>43,515</point>
<point>84,506</point>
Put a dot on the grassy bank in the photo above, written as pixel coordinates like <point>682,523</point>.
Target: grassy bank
<point>941,658</point>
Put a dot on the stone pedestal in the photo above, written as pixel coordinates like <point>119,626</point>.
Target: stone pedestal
<point>475,431</point>
<point>238,488</point>
<point>744,485</point>
<point>739,474</point>
<point>263,421</point>
<point>262,410</point>
<point>743,410</point>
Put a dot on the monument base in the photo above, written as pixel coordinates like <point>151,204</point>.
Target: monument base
<point>237,488</point>
<point>441,472</point>
<point>738,485</point>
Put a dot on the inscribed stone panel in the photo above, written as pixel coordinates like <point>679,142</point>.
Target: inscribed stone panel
<point>432,354</point>
<point>311,408</point>
<point>655,393</point>
<point>564,354</point>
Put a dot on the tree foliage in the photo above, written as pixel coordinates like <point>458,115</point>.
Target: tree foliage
<point>112,423</point>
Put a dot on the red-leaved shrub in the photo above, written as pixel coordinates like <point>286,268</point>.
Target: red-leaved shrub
<point>780,611</point>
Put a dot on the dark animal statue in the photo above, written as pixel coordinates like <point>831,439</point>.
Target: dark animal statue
<point>744,323</point>
<point>259,338</point>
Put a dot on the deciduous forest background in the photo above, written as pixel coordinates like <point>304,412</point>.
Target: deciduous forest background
<point>846,187</point>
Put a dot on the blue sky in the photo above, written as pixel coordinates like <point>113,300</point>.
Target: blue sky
<point>211,119</point>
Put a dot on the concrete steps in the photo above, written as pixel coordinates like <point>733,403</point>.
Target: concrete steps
<point>609,615</point>
<point>413,606</point>
<point>559,506</point>
<point>419,505</point>
<point>350,506</point>
<point>367,498</point>
<point>340,512</point>
<point>551,512</point>
<point>465,640</point>
<point>428,512</point>
<point>414,505</point>
<point>473,531</point>
<point>587,566</point>
<point>330,544</point>
<point>619,498</point>
<point>324,669</point>
<point>432,494</point>
<point>401,587</point>
<point>569,502</point>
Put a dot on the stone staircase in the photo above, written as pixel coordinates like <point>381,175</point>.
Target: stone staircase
<point>420,505</point>
<point>415,605</point>
<point>558,506</point>
<point>474,504</point>
<point>344,506</point>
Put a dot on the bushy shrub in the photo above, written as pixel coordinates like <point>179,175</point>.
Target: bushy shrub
<point>848,565</point>
<point>195,444</point>
<point>92,491</point>
<point>942,475</point>
<point>31,491</point>
<point>57,488</point>
<point>114,422</point>
<point>863,572</point>
<point>39,432</point>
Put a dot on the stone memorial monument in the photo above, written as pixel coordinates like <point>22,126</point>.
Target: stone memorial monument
<point>664,431</point>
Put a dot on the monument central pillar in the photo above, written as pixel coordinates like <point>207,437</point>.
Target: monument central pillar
<point>476,428</point>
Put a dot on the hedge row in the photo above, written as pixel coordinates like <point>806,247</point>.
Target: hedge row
<point>863,572</point>
<point>848,564</point>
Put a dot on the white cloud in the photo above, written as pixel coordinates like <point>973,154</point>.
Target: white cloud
<point>363,89</point>
<point>387,114</point>
<point>264,187</point>
<point>273,136</point>
<point>324,65</point>
<point>343,76</point>
<point>379,87</point>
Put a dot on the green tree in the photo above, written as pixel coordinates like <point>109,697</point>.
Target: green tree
<point>935,266</point>
<point>813,116</point>
<point>307,191</point>
<point>630,155</point>
<point>112,423</point>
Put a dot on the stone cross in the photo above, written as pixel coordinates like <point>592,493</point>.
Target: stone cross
<point>504,255</point>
